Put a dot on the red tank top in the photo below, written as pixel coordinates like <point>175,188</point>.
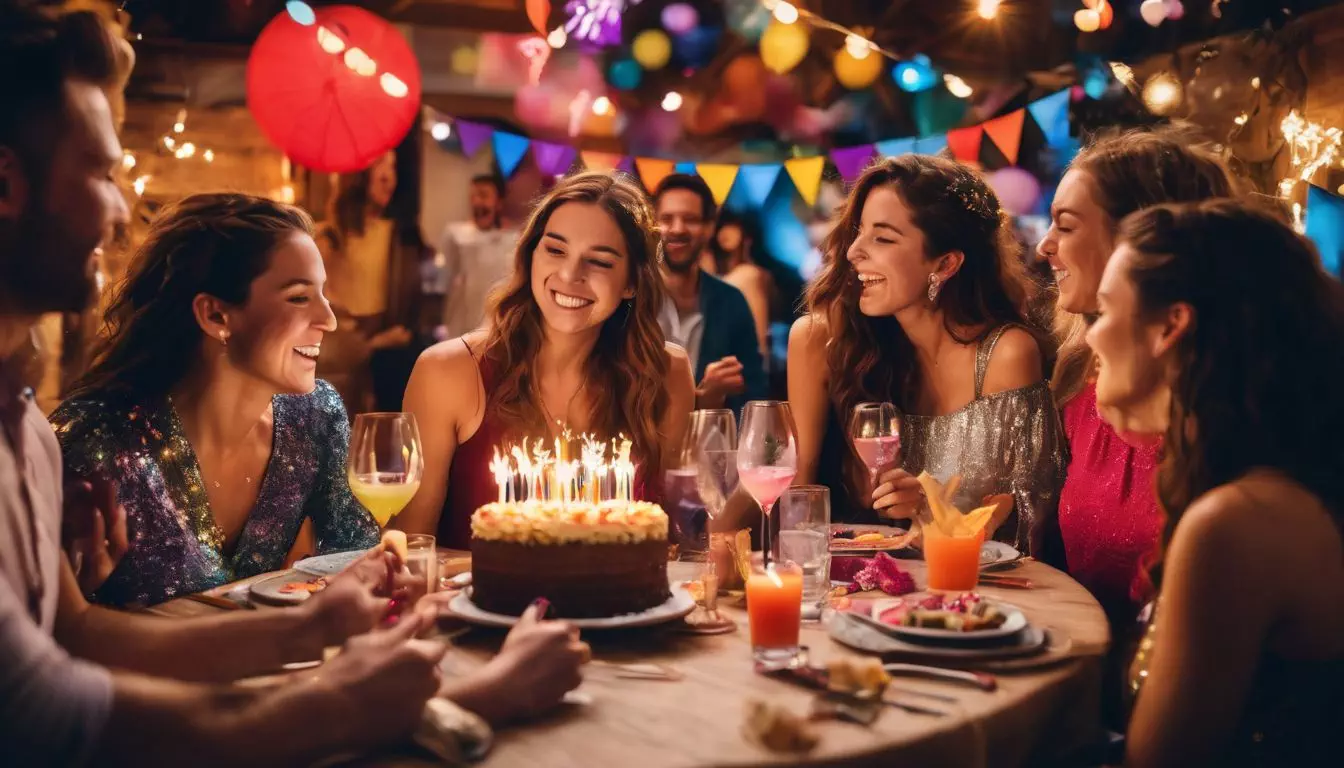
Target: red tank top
<point>470,483</point>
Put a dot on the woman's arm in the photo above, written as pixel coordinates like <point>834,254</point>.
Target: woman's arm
<point>681,401</point>
<point>808,381</point>
<point>754,283</point>
<point>444,393</point>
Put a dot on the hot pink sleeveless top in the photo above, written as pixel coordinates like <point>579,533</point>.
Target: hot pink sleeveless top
<point>470,483</point>
<point>1108,511</point>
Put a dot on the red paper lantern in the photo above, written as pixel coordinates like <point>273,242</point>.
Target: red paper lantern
<point>334,94</point>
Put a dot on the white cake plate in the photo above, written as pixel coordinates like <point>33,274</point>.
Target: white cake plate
<point>677,606</point>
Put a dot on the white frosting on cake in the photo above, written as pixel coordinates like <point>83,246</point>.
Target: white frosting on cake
<point>550,522</point>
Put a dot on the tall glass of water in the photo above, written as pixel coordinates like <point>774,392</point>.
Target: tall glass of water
<point>805,540</point>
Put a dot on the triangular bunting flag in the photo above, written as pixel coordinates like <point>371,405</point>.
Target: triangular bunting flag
<point>757,181</point>
<point>965,143</point>
<point>806,175</point>
<point>719,177</point>
<point>1006,133</point>
<point>1052,115</point>
<point>472,136</point>
<point>600,161</point>
<point>627,164</point>
<point>850,161</point>
<point>686,167</point>
<point>1324,226</point>
<point>509,151</point>
<point>552,159</point>
<point>652,171</point>
<point>931,145</point>
<point>895,147</point>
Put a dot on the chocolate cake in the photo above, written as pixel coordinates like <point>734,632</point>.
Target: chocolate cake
<point>588,560</point>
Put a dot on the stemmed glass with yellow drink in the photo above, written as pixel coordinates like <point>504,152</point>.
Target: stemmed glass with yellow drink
<point>385,463</point>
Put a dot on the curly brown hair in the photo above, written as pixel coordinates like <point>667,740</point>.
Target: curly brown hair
<point>1259,369</point>
<point>628,367</point>
<point>1131,170</point>
<point>956,211</point>
<point>213,243</point>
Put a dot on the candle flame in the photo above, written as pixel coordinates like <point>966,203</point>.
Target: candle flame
<point>557,476</point>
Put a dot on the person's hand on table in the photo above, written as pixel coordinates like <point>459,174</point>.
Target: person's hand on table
<point>381,680</point>
<point>93,529</point>
<point>360,597</point>
<point>898,495</point>
<point>722,378</point>
<point>538,664</point>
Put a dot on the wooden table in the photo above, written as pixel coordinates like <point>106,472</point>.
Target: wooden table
<point>697,721</point>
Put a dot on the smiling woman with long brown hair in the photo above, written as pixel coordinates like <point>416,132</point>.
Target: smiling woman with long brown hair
<point>572,338</point>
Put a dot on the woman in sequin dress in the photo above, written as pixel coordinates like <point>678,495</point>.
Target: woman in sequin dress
<point>922,302</point>
<point>572,338</point>
<point>203,406</point>
<point>1219,329</point>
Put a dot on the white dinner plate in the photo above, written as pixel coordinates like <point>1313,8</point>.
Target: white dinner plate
<point>268,590</point>
<point>1015,623</point>
<point>677,606</point>
<point>328,565</point>
<point>998,553</point>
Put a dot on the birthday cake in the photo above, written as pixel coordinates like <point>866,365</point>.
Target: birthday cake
<point>589,560</point>
<point>570,532</point>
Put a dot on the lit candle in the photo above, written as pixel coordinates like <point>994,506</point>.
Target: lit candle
<point>499,466</point>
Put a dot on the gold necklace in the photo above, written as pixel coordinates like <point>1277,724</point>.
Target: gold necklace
<point>550,418</point>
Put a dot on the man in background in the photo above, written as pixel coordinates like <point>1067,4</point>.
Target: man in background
<point>707,316</point>
<point>476,255</point>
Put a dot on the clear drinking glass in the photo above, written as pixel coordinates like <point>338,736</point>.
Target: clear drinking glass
<point>702,477</point>
<point>767,457</point>
<point>422,560</point>
<point>875,430</point>
<point>805,541</point>
<point>385,462</point>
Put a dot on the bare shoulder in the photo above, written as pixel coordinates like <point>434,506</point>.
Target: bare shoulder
<point>1264,520</point>
<point>1014,363</point>
<point>680,377</point>
<point>677,357</point>
<point>747,276</point>
<point>809,334</point>
<point>449,365</point>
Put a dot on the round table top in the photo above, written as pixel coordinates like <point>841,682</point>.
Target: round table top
<point>698,719</point>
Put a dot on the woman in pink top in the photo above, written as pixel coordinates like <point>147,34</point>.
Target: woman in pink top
<point>1108,511</point>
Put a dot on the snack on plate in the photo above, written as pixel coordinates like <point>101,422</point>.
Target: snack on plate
<point>947,519</point>
<point>777,729</point>
<point>844,538</point>
<point>858,676</point>
<point>311,587</point>
<point>965,613</point>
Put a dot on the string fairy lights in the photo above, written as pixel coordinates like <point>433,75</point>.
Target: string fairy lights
<point>1312,147</point>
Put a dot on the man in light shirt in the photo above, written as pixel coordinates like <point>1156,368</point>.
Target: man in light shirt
<point>477,255</point>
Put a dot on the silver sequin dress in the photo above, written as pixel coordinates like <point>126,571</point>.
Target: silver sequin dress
<point>1008,442</point>
<point>175,546</point>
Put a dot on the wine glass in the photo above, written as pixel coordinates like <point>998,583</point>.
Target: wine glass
<point>385,463</point>
<point>704,479</point>
<point>875,430</point>
<point>767,457</point>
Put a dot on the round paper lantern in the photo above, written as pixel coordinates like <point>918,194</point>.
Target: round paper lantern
<point>625,74</point>
<point>855,73</point>
<point>680,18</point>
<point>652,49</point>
<point>783,46</point>
<point>1153,11</point>
<point>1016,189</point>
<point>334,95</point>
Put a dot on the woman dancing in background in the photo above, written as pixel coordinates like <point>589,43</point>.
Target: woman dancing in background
<point>1108,514</point>
<point>573,338</point>
<point>203,406</point>
<point>1236,362</point>
<point>922,302</point>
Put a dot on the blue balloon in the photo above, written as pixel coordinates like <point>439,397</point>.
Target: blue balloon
<point>915,75</point>
<point>697,47</point>
<point>748,18</point>
<point>625,74</point>
<point>1095,83</point>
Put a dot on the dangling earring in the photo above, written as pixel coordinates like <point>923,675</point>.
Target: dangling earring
<point>935,284</point>
<point>224,338</point>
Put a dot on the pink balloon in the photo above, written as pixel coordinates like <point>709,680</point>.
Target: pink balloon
<point>1175,10</point>
<point>532,105</point>
<point>1017,189</point>
<point>680,18</point>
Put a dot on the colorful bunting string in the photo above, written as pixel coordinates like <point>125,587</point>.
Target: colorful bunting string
<point>806,175</point>
<point>850,161</point>
<point>1006,133</point>
<point>553,159</point>
<point>652,171</point>
<point>965,143</point>
<point>758,181</point>
<point>509,150</point>
<point>719,177</point>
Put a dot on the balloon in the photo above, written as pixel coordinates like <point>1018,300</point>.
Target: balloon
<point>1105,14</point>
<point>1087,20</point>
<point>696,48</point>
<point>538,12</point>
<point>1175,11</point>
<point>680,18</point>
<point>652,49</point>
<point>857,73</point>
<point>783,46</point>
<point>1095,83</point>
<point>744,77</point>
<point>465,60</point>
<point>1153,11</point>
<point>532,105</point>
<point>781,100</point>
<point>625,74</point>
<point>1017,190</point>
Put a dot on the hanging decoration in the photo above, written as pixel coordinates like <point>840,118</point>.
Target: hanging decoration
<point>601,161</point>
<point>850,161</point>
<point>336,93</point>
<point>680,18</point>
<point>915,75</point>
<point>652,171</point>
<point>783,47</point>
<point>596,23</point>
<point>857,72</point>
<point>538,14</point>
<point>652,49</point>
<point>473,136</point>
<point>1006,133</point>
<point>719,177</point>
<point>965,143</point>
<point>510,148</point>
<point>1324,226</point>
<point>806,175</point>
<point>758,180</point>
<point>553,159</point>
<point>625,74</point>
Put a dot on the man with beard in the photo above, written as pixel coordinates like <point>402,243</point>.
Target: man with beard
<point>707,316</point>
<point>477,255</point>
<point>78,680</point>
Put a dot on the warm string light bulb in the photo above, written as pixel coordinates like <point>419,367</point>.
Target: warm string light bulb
<point>1162,93</point>
<point>1087,20</point>
<point>988,9</point>
<point>672,101</point>
<point>557,38</point>
<point>785,13</point>
<point>601,106</point>
<point>957,87</point>
<point>858,47</point>
<point>440,131</point>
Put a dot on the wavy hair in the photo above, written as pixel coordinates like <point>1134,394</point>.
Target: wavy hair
<point>1257,373</point>
<point>214,243</point>
<point>956,211</point>
<point>628,367</point>
<point>1129,171</point>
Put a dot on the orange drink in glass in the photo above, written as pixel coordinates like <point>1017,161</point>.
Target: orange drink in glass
<point>775,611</point>
<point>953,562</point>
